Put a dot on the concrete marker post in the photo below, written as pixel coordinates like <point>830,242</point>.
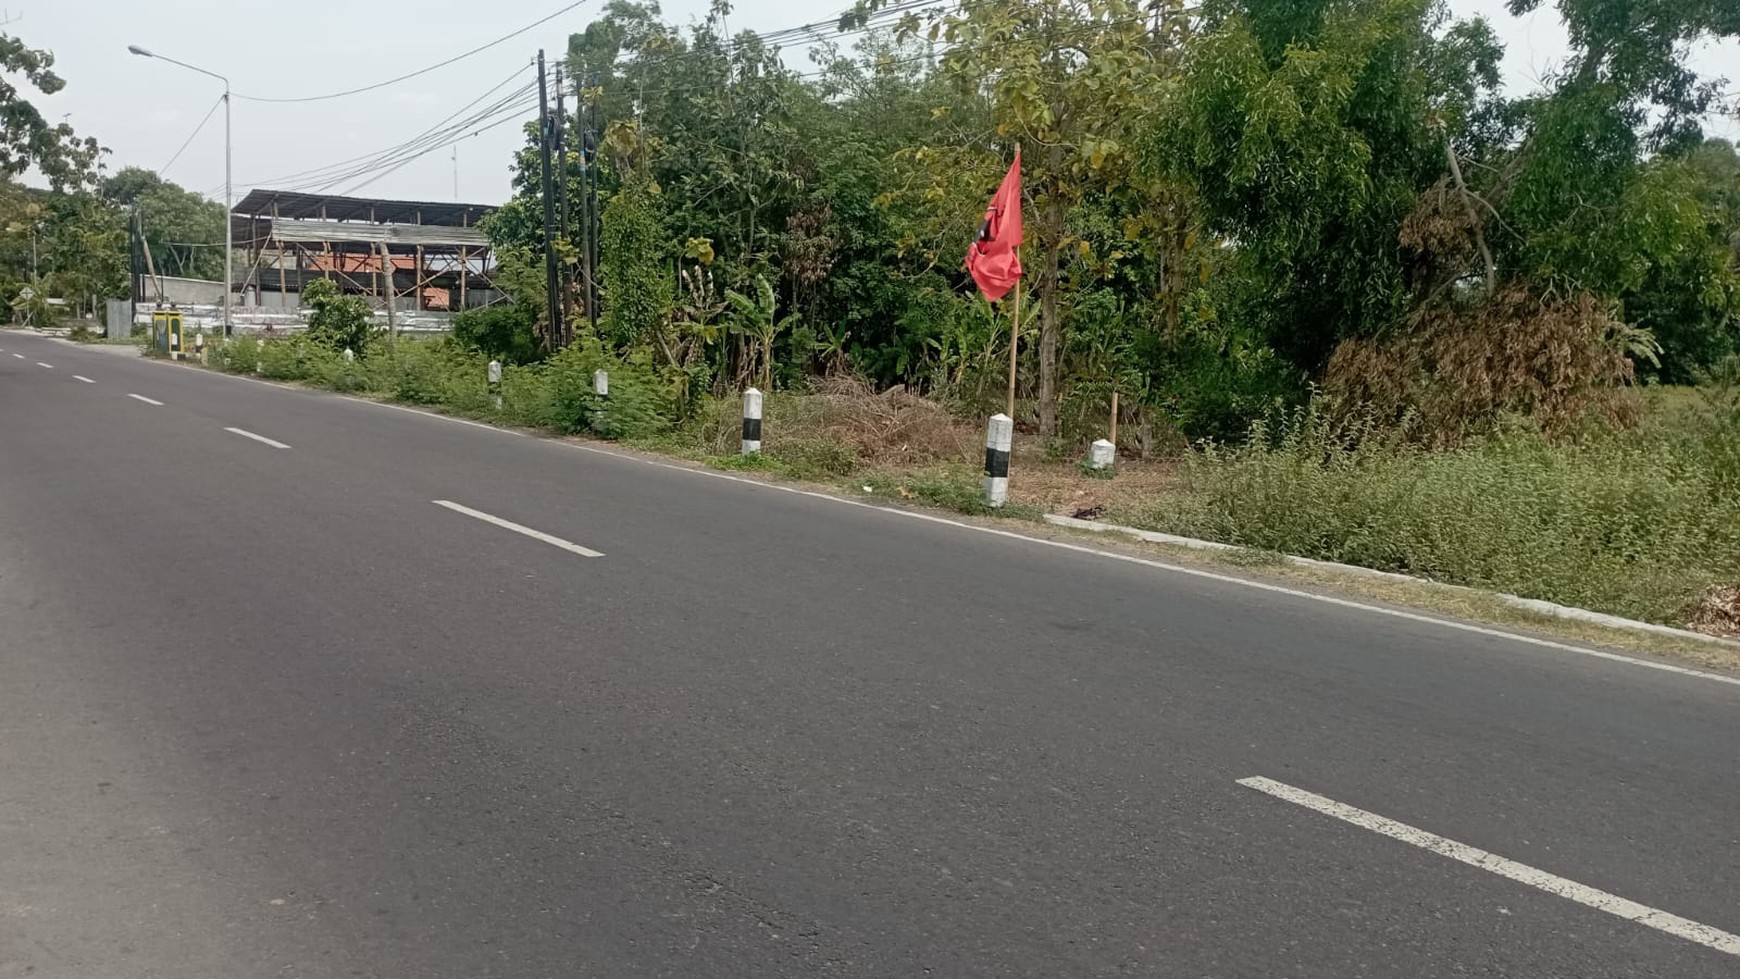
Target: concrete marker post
<point>1102,454</point>
<point>495,383</point>
<point>751,421</point>
<point>601,391</point>
<point>999,440</point>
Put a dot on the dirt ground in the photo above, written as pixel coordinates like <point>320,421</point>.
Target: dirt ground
<point>1062,486</point>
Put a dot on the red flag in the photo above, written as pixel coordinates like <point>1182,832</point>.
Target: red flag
<point>993,258</point>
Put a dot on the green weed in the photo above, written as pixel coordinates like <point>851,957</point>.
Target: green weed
<point>1634,524</point>
<point>948,488</point>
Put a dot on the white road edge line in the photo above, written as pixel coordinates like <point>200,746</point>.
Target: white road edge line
<point>519,529</point>
<point>152,401</point>
<point>81,377</point>
<point>274,443</point>
<point>436,415</point>
<point>1078,548</point>
<point>41,364</point>
<point>19,356</point>
<point>1468,627</point>
<point>1570,890</point>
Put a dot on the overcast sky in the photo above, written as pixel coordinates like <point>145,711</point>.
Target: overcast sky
<point>145,109</point>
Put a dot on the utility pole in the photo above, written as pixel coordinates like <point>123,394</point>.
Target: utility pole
<point>135,290</point>
<point>229,219</point>
<point>585,210</point>
<point>566,281</point>
<point>594,220</point>
<point>545,140</point>
<point>229,195</point>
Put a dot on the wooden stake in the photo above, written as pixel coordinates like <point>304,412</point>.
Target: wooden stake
<point>1114,436</point>
<point>387,281</point>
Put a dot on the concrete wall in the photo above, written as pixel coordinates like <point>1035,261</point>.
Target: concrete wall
<point>206,292</point>
<point>118,324</point>
<point>185,291</point>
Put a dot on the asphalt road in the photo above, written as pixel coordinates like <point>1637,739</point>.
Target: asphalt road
<point>272,711</point>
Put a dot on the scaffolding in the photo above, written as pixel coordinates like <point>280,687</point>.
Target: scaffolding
<point>414,256</point>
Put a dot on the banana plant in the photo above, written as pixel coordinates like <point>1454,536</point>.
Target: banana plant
<point>758,321</point>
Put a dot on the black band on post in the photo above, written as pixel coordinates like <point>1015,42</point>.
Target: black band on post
<point>996,462</point>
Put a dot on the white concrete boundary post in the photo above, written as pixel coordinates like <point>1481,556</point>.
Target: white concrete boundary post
<point>1101,454</point>
<point>999,439</point>
<point>495,383</point>
<point>601,383</point>
<point>751,421</point>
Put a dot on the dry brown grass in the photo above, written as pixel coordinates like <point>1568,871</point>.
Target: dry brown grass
<point>888,428</point>
<point>1717,613</point>
<point>1558,360</point>
<point>1062,487</point>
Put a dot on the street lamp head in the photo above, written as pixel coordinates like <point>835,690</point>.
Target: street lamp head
<point>136,49</point>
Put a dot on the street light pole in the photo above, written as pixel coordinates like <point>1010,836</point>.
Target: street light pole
<point>229,190</point>
<point>229,224</point>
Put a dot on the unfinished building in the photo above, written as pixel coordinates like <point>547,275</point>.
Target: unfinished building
<point>419,260</point>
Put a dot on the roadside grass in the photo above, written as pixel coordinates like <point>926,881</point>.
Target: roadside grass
<point>1638,524</point>
<point>948,487</point>
<point>1449,601</point>
<point>1644,524</point>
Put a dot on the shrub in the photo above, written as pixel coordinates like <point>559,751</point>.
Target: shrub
<point>814,458</point>
<point>289,359</point>
<point>636,407</point>
<point>237,354</point>
<point>1622,523</point>
<point>430,372</point>
<point>504,331</point>
<point>337,321</point>
<point>1562,362</point>
<point>958,488</point>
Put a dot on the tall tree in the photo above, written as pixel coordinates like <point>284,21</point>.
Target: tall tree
<point>27,140</point>
<point>1689,298</point>
<point>1310,129</point>
<point>1069,80</point>
<point>184,230</point>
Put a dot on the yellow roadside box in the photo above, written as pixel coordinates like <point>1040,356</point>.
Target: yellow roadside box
<point>166,332</point>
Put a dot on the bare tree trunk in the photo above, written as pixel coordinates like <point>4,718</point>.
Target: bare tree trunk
<point>1473,217</point>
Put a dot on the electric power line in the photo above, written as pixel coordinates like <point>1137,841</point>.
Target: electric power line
<point>443,134</point>
<point>510,104</point>
<point>874,21</point>
<point>1053,37</point>
<point>420,71</point>
<point>334,167</point>
<point>359,165</point>
<point>190,137</point>
<point>510,117</point>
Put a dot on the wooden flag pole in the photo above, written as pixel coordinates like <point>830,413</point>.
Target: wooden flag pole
<point>1015,325</point>
<point>1014,343</point>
